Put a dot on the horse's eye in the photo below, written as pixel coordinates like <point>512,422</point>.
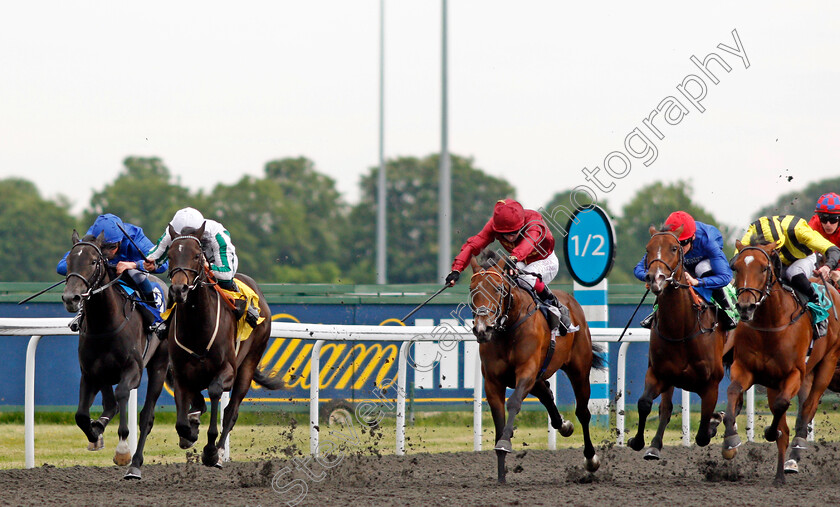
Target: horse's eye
<point>674,248</point>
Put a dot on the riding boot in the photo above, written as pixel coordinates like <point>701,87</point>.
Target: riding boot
<point>647,322</point>
<point>801,283</point>
<point>252,313</point>
<point>560,311</point>
<point>76,322</point>
<point>727,323</point>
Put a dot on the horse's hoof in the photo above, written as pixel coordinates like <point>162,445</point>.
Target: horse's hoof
<point>593,464</point>
<point>770,435</point>
<point>730,446</point>
<point>184,443</point>
<point>791,467</point>
<point>636,443</point>
<point>504,446</point>
<point>799,443</point>
<point>98,445</point>
<point>122,459</point>
<point>567,428</point>
<point>218,464</point>
<point>132,473</point>
<point>652,454</point>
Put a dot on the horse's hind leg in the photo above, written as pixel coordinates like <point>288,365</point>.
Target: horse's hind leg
<point>709,421</point>
<point>237,394</point>
<point>781,432</point>
<point>495,393</point>
<point>543,393</point>
<point>157,373</point>
<point>130,380</point>
<point>666,408</point>
<point>809,398</point>
<point>87,393</point>
<point>653,388</point>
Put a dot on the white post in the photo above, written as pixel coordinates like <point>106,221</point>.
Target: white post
<point>811,427</point>
<point>29,403</point>
<point>223,403</point>
<point>314,396</point>
<point>686,418</point>
<point>751,414</point>
<point>402,373</point>
<point>132,421</point>
<point>477,389</point>
<point>552,433</point>
<point>620,393</point>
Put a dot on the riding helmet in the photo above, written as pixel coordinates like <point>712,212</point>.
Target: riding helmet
<point>187,217</point>
<point>828,203</point>
<point>681,218</point>
<point>508,216</point>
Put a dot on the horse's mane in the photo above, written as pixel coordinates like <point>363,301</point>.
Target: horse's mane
<point>488,258</point>
<point>665,228</point>
<point>186,231</point>
<point>89,238</point>
<point>759,241</point>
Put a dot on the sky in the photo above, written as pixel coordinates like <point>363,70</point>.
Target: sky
<point>538,91</point>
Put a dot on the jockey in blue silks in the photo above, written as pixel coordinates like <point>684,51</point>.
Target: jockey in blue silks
<point>706,266</point>
<point>124,256</point>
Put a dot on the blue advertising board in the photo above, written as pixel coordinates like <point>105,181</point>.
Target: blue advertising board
<point>589,245</point>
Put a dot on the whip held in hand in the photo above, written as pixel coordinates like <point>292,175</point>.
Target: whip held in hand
<point>133,243</point>
<point>421,305</point>
<point>634,314</point>
<point>33,296</point>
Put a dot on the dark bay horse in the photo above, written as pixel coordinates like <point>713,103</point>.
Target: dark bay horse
<point>204,350</point>
<point>114,347</point>
<point>686,347</point>
<point>514,342</point>
<point>771,347</point>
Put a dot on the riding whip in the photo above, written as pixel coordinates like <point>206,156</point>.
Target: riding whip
<point>133,243</point>
<point>634,314</point>
<point>33,296</point>
<point>412,312</point>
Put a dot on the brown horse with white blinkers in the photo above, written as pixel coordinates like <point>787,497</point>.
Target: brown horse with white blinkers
<point>686,346</point>
<point>771,347</point>
<point>515,346</point>
<point>203,346</point>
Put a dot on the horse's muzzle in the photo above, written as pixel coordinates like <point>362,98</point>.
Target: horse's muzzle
<point>72,302</point>
<point>746,310</point>
<point>179,293</point>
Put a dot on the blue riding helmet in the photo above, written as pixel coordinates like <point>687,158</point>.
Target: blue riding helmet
<point>109,224</point>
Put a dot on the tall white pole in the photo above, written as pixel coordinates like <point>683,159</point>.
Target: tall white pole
<point>381,243</point>
<point>445,190</point>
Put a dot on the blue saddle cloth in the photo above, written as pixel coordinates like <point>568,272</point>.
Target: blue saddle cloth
<point>154,310</point>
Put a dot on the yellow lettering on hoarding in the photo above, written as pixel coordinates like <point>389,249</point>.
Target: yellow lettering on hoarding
<point>292,345</point>
<point>329,366</point>
<point>294,374</point>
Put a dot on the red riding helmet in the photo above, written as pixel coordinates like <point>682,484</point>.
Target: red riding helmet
<point>681,218</point>
<point>508,216</point>
<point>828,203</point>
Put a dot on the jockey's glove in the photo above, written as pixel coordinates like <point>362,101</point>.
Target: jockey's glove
<point>832,257</point>
<point>452,277</point>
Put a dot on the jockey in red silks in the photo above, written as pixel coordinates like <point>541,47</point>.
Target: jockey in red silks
<point>826,221</point>
<point>526,237</point>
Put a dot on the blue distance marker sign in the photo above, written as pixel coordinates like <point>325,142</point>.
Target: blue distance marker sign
<point>589,245</point>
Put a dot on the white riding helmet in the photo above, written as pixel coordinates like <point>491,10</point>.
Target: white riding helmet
<point>187,217</point>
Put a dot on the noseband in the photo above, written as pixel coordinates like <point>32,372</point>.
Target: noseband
<point>771,277</point>
<point>505,298</point>
<point>197,274</point>
<point>672,279</point>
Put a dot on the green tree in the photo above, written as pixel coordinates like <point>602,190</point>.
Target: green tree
<point>143,194</point>
<point>285,226</point>
<point>557,213</point>
<point>412,216</point>
<point>651,206</point>
<point>34,232</point>
<point>800,202</point>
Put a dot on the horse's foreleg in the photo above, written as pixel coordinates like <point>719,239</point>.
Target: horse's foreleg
<point>514,405</point>
<point>183,397</point>
<point>579,378</point>
<point>210,456</point>
<point>653,388</point>
<point>741,380</point>
<point>709,421</point>
<point>666,408</point>
<point>495,393</point>
<point>157,375</point>
<point>129,380</point>
<point>87,393</point>
<point>543,393</point>
<point>779,430</point>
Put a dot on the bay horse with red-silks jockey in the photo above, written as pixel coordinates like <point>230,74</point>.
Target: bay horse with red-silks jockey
<point>518,351</point>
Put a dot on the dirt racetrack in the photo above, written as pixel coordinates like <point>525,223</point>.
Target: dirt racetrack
<point>685,476</point>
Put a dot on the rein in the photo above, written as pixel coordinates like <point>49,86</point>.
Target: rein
<point>771,279</point>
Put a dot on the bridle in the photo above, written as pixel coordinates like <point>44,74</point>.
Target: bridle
<point>679,268</point>
<point>770,277</point>
<point>504,301</point>
<point>198,275</point>
<point>92,283</point>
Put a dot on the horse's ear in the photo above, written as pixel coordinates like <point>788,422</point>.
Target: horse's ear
<point>652,230</point>
<point>738,245</point>
<point>200,231</point>
<point>75,237</point>
<point>678,231</point>
<point>172,233</point>
<point>100,239</point>
<point>474,265</point>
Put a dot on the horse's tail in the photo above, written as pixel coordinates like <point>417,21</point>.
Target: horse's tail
<point>272,383</point>
<point>598,361</point>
